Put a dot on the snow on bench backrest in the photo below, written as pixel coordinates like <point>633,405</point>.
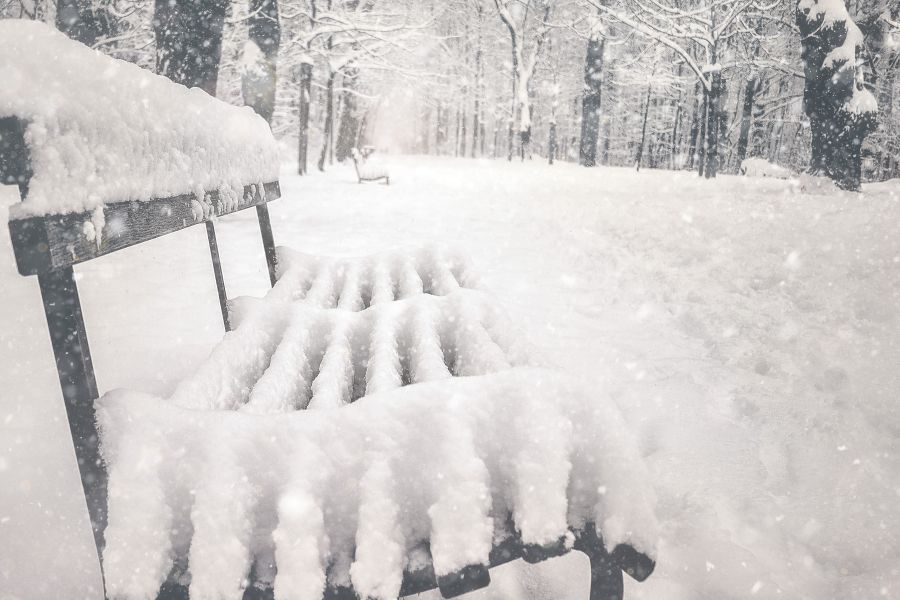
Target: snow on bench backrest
<point>102,130</point>
<point>99,134</point>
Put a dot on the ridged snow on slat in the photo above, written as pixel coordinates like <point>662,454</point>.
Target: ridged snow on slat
<point>356,283</point>
<point>441,461</point>
<point>432,433</point>
<point>288,356</point>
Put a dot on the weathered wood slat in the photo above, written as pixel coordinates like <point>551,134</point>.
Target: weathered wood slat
<point>606,569</point>
<point>43,244</point>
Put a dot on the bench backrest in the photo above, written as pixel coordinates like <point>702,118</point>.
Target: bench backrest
<point>108,155</point>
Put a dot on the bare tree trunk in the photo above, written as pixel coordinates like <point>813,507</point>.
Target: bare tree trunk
<point>703,135</point>
<point>329,120</point>
<point>551,144</point>
<point>831,86</point>
<point>747,118</point>
<point>478,126</point>
<point>306,71</point>
<point>591,102</point>
<point>349,126</point>
<point>713,123</point>
<point>640,151</point>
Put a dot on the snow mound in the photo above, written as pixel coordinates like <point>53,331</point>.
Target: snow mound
<point>432,433</point>
<point>102,130</point>
<point>760,167</point>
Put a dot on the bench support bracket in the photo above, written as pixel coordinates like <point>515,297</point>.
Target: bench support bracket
<point>217,269</point>
<point>268,240</point>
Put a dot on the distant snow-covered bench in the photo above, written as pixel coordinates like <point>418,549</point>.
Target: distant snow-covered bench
<point>372,427</point>
<point>367,170</point>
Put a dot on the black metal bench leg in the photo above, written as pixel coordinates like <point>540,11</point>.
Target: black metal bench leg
<point>268,240</point>
<point>79,388</point>
<point>606,578</point>
<point>217,269</point>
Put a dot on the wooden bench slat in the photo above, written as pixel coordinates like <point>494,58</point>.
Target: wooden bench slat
<point>50,242</point>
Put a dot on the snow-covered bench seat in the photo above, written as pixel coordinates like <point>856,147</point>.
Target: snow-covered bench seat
<point>371,428</point>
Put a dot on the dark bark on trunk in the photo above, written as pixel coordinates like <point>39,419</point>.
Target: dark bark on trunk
<point>329,120</point>
<point>496,146</point>
<point>747,118</point>
<point>713,123</point>
<point>673,151</point>
<point>640,150</point>
<point>837,131</point>
<point>477,121</point>
<point>702,135</point>
<point>462,132</point>
<point>349,128</point>
<point>440,134</point>
<point>591,102</point>
<point>694,135</point>
<point>189,41</point>
<point>551,144</point>
<point>258,82</point>
<point>476,128</point>
<point>306,71</point>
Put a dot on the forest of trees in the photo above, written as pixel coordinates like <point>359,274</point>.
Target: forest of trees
<point>674,84</point>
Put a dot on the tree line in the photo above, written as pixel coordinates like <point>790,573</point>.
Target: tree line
<point>675,84</point>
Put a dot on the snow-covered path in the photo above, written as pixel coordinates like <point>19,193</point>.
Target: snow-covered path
<point>749,329</point>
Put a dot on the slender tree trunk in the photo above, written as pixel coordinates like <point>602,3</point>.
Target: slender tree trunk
<point>695,135</point>
<point>462,132</point>
<point>702,134</point>
<point>306,71</point>
<point>640,150</point>
<point>747,118</point>
<point>673,151</point>
<point>713,122</point>
<point>329,120</point>
<point>496,146</point>
<point>349,127</point>
<point>591,102</point>
<point>551,144</point>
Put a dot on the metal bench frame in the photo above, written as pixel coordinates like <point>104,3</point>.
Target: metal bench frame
<point>51,245</point>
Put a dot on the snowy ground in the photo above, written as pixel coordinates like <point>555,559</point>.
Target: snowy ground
<point>750,329</point>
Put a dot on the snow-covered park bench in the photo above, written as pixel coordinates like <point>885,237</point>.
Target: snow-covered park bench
<point>367,170</point>
<point>372,427</point>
